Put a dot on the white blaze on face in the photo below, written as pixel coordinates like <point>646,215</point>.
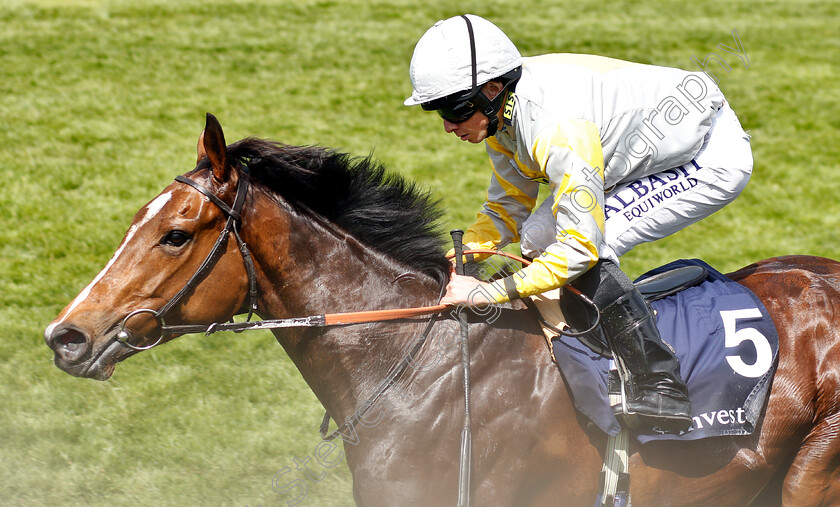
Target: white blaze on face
<point>152,209</point>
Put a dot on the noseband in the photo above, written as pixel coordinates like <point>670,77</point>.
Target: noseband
<point>234,222</point>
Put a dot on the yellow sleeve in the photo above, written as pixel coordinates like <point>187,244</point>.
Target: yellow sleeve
<point>571,157</point>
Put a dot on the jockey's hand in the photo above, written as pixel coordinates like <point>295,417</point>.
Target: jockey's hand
<point>466,290</point>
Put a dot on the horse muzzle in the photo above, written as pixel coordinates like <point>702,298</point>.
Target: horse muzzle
<point>77,354</point>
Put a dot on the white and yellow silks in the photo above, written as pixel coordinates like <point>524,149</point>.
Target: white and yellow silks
<point>580,123</point>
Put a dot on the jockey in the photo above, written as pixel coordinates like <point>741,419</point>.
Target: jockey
<point>631,153</point>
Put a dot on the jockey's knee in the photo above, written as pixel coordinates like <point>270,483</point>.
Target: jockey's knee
<point>729,181</point>
<point>726,158</point>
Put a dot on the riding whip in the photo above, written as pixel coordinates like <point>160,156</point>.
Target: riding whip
<point>466,433</point>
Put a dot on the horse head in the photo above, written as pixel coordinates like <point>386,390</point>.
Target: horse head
<point>119,312</point>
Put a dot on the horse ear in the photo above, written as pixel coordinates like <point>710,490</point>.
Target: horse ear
<point>214,147</point>
<point>200,148</point>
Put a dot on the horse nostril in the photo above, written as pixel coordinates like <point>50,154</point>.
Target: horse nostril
<point>68,342</point>
<point>71,340</point>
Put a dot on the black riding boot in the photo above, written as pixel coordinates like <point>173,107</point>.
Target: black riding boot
<point>656,396</point>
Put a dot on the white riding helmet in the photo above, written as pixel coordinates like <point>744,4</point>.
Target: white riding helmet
<point>442,63</point>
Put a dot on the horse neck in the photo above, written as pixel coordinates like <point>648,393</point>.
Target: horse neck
<point>306,267</point>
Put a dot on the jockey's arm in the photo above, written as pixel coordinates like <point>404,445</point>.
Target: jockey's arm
<point>570,157</point>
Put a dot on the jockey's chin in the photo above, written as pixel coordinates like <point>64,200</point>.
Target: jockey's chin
<point>473,130</point>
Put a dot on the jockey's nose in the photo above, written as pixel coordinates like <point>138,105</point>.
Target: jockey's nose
<point>69,343</point>
<point>448,126</point>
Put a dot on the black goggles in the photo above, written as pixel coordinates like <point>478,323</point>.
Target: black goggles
<point>458,113</point>
<point>455,110</point>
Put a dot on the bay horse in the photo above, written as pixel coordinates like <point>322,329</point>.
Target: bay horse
<point>329,232</point>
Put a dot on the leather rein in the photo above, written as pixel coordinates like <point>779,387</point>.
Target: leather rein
<point>232,227</point>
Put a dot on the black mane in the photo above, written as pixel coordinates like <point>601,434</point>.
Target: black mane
<point>379,208</point>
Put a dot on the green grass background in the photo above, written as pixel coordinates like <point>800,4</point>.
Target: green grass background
<point>101,103</point>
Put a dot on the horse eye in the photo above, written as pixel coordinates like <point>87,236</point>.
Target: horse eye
<point>175,238</point>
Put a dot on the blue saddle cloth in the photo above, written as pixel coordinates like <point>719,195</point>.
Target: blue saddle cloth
<point>727,346</point>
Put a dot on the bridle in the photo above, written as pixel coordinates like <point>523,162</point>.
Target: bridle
<point>232,225</point>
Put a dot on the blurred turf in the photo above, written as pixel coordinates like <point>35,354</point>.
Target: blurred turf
<point>102,102</point>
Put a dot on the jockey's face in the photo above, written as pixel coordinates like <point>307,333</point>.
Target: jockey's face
<point>474,129</point>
